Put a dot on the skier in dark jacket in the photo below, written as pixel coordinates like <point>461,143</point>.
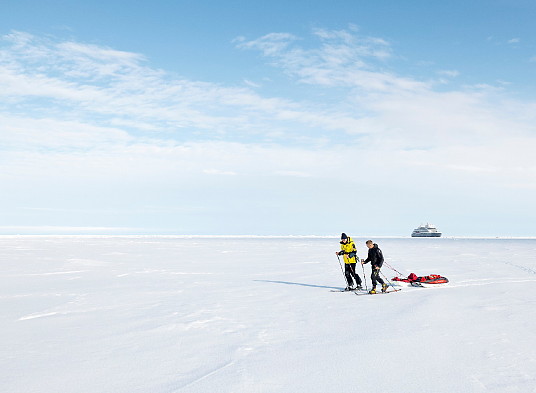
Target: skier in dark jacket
<point>375,257</point>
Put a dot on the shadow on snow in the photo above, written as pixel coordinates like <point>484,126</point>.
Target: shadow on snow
<point>297,283</point>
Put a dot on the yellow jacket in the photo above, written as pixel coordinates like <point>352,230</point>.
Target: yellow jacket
<point>349,247</point>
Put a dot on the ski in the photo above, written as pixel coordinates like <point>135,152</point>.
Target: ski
<point>377,293</point>
<point>426,285</point>
<point>344,290</point>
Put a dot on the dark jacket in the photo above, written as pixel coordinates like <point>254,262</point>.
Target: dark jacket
<point>375,256</point>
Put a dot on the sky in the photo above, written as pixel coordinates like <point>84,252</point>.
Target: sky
<point>268,118</point>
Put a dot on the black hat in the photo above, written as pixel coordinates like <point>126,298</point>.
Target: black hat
<point>343,236</point>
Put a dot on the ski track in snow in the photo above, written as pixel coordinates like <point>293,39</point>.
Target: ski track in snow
<point>465,283</point>
<point>524,268</point>
<point>65,312</point>
<point>39,315</point>
<point>481,283</point>
<point>205,376</point>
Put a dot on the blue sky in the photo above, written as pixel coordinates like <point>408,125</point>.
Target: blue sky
<point>268,118</point>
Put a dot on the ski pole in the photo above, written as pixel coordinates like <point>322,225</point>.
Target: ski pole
<point>344,275</point>
<point>364,275</point>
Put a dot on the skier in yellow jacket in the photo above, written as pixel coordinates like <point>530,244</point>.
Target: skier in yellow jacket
<point>349,252</point>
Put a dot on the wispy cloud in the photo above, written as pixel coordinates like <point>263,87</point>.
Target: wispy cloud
<point>61,94</point>
<point>449,73</point>
<point>399,113</point>
<point>101,86</point>
<point>270,44</point>
<point>343,58</point>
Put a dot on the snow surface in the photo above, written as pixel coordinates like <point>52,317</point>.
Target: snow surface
<point>178,314</point>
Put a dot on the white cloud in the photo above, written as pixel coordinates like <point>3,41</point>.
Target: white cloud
<point>22,133</point>
<point>270,44</point>
<point>76,116</point>
<point>99,87</point>
<point>343,59</point>
<point>252,84</point>
<point>449,73</point>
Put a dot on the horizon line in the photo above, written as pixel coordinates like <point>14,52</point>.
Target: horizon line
<point>192,236</point>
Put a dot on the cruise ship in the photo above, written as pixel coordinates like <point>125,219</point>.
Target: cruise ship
<point>427,230</point>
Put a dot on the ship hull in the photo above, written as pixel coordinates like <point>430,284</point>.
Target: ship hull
<point>426,235</point>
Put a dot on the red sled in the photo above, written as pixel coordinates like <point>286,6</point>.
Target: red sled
<point>432,280</point>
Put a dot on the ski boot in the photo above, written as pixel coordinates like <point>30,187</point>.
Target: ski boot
<point>384,287</point>
<point>358,287</point>
<point>372,291</point>
<point>348,289</point>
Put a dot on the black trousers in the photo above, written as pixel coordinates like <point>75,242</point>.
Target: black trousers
<point>349,272</point>
<point>375,277</point>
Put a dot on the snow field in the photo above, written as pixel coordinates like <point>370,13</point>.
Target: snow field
<point>172,314</point>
